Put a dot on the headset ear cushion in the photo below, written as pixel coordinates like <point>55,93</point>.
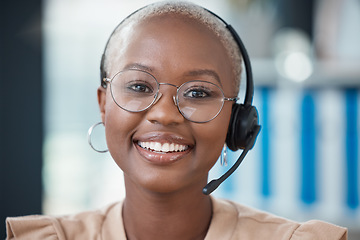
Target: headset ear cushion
<point>244,119</point>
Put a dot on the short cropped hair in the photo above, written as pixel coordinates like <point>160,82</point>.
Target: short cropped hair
<point>181,8</point>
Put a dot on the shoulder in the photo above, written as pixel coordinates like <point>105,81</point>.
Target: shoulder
<point>85,225</point>
<point>236,221</point>
<point>33,227</point>
<point>316,229</point>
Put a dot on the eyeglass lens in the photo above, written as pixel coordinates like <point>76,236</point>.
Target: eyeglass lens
<point>136,90</point>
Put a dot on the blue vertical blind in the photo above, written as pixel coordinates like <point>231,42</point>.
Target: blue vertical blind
<point>351,146</point>
<point>265,159</point>
<point>308,148</point>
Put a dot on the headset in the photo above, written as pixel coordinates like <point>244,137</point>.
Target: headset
<point>244,122</point>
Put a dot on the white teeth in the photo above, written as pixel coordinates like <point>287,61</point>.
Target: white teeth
<point>176,148</point>
<point>172,147</point>
<point>165,147</point>
<point>157,146</point>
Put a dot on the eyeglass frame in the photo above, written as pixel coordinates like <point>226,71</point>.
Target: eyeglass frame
<point>158,94</point>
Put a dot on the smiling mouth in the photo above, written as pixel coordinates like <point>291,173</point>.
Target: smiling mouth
<point>163,147</point>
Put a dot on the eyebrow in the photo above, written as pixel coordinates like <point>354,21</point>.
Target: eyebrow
<point>138,66</point>
<point>208,72</point>
<point>191,73</point>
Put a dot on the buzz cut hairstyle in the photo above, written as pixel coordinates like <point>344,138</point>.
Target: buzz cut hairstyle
<point>180,8</point>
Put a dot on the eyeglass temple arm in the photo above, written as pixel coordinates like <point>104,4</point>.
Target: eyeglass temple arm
<point>231,99</point>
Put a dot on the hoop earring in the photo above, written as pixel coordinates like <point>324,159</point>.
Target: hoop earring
<point>89,138</point>
<point>223,156</point>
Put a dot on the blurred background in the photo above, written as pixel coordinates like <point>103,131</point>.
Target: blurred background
<point>306,64</point>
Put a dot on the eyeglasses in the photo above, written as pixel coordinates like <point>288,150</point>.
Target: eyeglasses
<point>136,90</point>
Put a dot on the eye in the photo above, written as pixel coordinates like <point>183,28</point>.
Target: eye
<point>197,93</point>
<point>140,86</point>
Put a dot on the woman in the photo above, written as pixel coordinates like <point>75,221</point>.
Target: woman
<point>170,77</point>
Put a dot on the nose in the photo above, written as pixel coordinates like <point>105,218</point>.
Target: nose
<point>165,111</point>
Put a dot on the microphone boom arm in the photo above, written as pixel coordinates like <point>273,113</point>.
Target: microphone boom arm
<point>211,186</point>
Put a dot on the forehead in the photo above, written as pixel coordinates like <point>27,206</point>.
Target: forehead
<point>174,32</point>
<point>177,28</point>
<point>171,22</point>
<point>134,25</point>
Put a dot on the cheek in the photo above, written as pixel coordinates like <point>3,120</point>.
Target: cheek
<point>211,137</point>
<point>119,128</point>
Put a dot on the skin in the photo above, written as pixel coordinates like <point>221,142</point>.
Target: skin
<point>164,197</point>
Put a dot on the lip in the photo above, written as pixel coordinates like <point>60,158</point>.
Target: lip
<point>162,158</point>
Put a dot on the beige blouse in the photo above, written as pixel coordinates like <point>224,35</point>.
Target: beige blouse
<point>230,221</point>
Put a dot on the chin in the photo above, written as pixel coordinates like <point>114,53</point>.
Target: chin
<point>158,183</point>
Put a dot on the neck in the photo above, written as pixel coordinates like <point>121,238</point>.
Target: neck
<point>185,214</point>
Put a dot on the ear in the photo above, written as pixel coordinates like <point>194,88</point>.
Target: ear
<point>101,94</point>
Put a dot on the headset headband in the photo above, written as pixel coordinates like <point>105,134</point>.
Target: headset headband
<point>249,77</point>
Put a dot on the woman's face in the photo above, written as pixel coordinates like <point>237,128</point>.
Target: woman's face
<point>174,50</point>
